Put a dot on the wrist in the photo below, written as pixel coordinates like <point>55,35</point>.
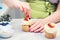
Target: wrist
<point>51,18</point>
<point>47,21</point>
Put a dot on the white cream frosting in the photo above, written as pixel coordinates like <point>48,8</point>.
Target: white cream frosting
<point>49,30</point>
<point>27,22</point>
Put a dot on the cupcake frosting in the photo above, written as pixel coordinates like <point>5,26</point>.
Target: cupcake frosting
<point>49,30</point>
<point>27,22</point>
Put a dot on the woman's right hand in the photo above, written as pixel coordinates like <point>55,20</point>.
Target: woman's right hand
<point>23,6</point>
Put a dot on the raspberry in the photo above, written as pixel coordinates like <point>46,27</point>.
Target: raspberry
<point>26,19</point>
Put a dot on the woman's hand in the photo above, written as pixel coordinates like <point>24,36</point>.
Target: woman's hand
<point>23,6</point>
<point>38,26</point>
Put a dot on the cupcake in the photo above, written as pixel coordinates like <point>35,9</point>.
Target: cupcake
<point>50,31</point>
<point>26,25</point>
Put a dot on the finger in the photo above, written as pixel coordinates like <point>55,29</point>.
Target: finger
<point>28,13</point>
<point>42,31</point>
<point>27,6</point>
<point>21,8</point>
<point>24,10</point>
<point>36,23</point>
<point>38,30</point>
<point>24,7</point>
<point>35,28</point>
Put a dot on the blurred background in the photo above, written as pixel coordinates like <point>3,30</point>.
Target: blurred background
<point>14,13</point>
<point>39,9</point>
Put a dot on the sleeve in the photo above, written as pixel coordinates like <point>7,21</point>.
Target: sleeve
<point>54,1</point>
<point>59,0</point>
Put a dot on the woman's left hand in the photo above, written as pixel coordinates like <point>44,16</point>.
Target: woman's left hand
<point>38,26</point>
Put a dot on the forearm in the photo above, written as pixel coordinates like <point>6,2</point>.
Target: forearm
<point>11,3</point>
<point>11,0</point>
<point>54,17</point>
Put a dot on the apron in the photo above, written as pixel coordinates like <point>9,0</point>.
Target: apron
<point>41,8</point>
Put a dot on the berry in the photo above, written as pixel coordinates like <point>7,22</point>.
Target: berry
<point>26,19</point>
<point>51,25</point>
